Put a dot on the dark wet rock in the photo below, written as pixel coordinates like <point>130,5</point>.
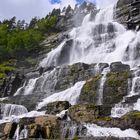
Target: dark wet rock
<point>127,13</point>
<point>11,84</point>
<point>102,66</point>
<point>133,99</point>
<point>118,67</point>
<point>56,107</point>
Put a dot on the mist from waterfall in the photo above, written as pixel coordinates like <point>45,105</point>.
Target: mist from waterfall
<point>101,40</point>
<point>105,3</point>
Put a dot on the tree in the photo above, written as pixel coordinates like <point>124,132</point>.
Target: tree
<point>21,24</point>
<point>33,23</point>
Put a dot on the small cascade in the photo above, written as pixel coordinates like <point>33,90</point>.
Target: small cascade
<point>8,110</point>
<point>97,131</point>
<point>105,15</point>
<point>101,87</point>
<point>51,59</point>
<point>135,90</point>
<point>122,108</point>
<point>27,88</point>
<point>71,95</point>
<point>137,105</point>
<point>71,129</point>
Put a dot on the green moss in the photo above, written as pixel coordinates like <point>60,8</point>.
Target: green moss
<point>31,61</point>
<point>104,119</point>
<point>117,79</point>
<point>89,90</point>
<point>135,115</point>
<point>75,138</point>
<point>5,67</point>
<point>88,87</point>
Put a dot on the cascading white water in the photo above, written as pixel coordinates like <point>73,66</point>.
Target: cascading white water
<point>71,95</point>
<point>97,131</point>
<point>101,87</point>
<point>27,89</point>
<point>8,110</point>
<point>101,40</point>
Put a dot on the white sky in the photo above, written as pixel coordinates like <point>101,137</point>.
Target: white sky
<point>26,9</point>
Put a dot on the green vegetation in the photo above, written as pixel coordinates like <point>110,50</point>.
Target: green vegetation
<point>6,67</point>
<point>117,79</point>
<point>89,90</point>
<point>19,39</point>
<point>134,115</point>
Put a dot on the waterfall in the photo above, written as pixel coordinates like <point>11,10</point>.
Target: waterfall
<point>27,89</point>
<point>52,57</point>
<point>99,40</point>
<point>102,40</point>
<point>71,95</point>
<point>8,110</point>
<point>101,86</point>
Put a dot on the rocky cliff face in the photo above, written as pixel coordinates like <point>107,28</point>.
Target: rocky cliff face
<point>70,96</point>
<point>128,12</point>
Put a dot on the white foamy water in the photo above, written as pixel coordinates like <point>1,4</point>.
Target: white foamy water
<point>97,131</point>
<point>71,95</point>
<point>9,110</point>
<point>49,60</point>
<point>103,4</point>
<point>101,40</point>
<point>137,105</point>
<point>27,89</point>
<point>101,87</point>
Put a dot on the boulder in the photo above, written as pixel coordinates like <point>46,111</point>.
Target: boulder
<point>89,92</point>
<point>88,112</point>
<point>56,107</point>
<point>115,87</point>
<point>119,67</point>
<point>83,113</point>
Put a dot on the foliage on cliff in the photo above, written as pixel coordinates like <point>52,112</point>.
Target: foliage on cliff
<point>19,39</point>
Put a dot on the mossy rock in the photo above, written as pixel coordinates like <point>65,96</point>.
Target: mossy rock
<point>6,68</point>
<point>83,113</point>
<point>56,107</point>
<point>89,90</point>
<point>115,87</point>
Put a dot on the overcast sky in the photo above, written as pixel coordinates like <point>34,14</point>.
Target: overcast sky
<point>26,9</point>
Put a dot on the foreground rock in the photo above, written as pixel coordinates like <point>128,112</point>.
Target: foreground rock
<point>52,127</point>
<point>88,112</point>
